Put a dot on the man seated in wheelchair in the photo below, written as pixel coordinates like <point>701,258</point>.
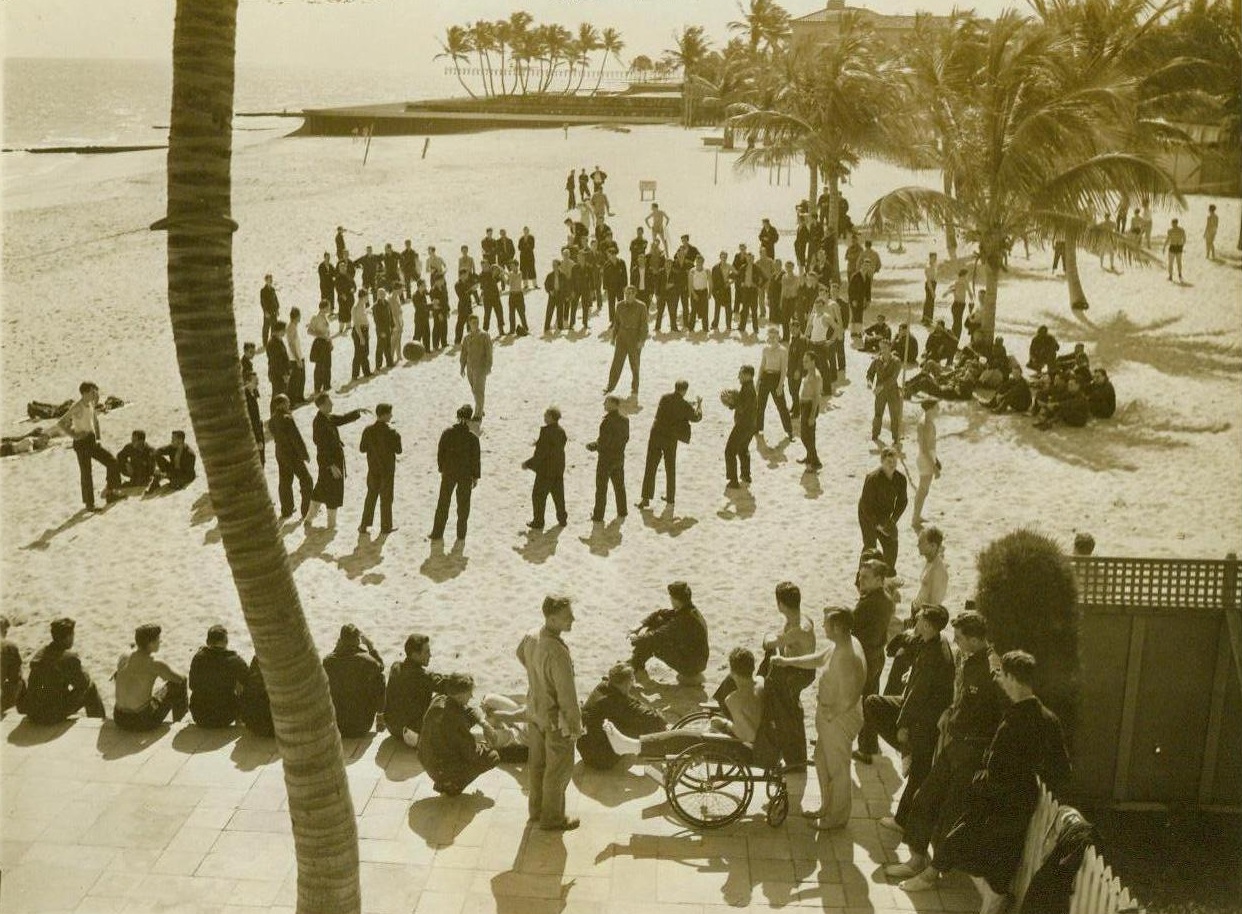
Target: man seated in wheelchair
<point>739,729</point>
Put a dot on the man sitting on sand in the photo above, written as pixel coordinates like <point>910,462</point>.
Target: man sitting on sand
<point>217,678</point>
<point>1070,408</point>
<point>744,706</point>
<point>1043,351</point>
<point>58,686</point>
<point>1014,394</point>
<point>356,681</point>
<point>880,330</point>
<point>410,690</point>
<point>677,636</point>
<point>137,460</point>
<point>139,705</point>
<point>1101,396</point>
<point>614,701</point>
<point>176,462</point>
<point>941,344</point>
<point>446,746</point>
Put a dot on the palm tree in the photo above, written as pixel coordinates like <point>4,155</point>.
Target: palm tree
<point>457,46</point>
<point>502,34</point>
<point>611,43</point>
<point>586,42</point>
<point>1104,41</point>
<point>829,106</point>
<point>690,49</point>
<point>200,301</point>
<point>558,46</point>
<point>1026,160</point>
<point>765,23</point>
<point>937,64</point>
<point>483,35</point>
<point>520,45</point>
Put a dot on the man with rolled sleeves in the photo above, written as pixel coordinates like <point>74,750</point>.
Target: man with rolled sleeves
<point>555,720</point>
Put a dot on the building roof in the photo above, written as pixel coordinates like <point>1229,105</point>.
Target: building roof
<point>886,20</point>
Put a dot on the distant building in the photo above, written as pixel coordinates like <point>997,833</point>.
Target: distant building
<point>824,26</point>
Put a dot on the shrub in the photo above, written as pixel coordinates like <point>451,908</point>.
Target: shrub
<point>1029,596</point>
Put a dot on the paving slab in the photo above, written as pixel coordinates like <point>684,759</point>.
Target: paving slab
<point>96,820</point>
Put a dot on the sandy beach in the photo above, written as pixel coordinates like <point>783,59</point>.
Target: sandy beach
<point>85,297</point>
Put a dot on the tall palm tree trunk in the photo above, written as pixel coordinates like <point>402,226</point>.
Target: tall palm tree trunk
<point>457,73</point>
<point>200,300</point>
<point>991,285</point>
<point>832,241</point>
<point>814,191</point>
<point>1078,298</point>
<point>950,230</point>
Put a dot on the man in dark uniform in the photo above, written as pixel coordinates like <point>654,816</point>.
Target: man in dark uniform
<point>967,728</point>
<point>58,687</point>
<point>487,248</point>
<point>217,677</point>
<point>614,433</point>
<point>446,746</point>
<point>279,364</point>
<point>327,280</point>
<point>548,462</point>
<point>677,636</point>
<point>392,266</point>
<point>615,277</point>
<point>291,457</point>
<point>269,304</point>
<point>722,292</point>
<point>408,261</point>
<point>670,428</point>
<point>370,263</point>
<point>410,690</point>
<point>614,701</point>
<point>745,409</point>
<point>175,461</point>
<point>683,262</point>
<point>881,505</point>
<point>987,839</point>
<point>768,236</point>
<point>506,251</point>
<point>908,721</point>
<point>458,460</point>
<point>251,390</point>
<point>355,681</point>
<point>872,615</point>
<point>381,443</point>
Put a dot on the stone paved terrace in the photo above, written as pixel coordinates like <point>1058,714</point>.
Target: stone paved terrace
<point>188,820</point>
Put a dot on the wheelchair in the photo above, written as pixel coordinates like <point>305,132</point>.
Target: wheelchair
<point>710,784</point>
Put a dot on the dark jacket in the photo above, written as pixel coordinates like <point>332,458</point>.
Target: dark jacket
<point>883,499</point>
<point>872,615</point>
<point>290,447</point>
<point>673,418</point>
<point>458,454</point>
<point>1028,742</point>
<point>381,316</point>
<point>627,714</point>
<point>745,407</point>
<point>616,276</point>
<point>12,685</point>
<point>56,686</point>
<point>252,411</point>
<point>978,702</point>
<point>329,450</point>
<point>679,638</point>
<point>409,694</point>
<point>614,433</point>
<point>1102,399</point>
<point>137,462</point>
<point>268,300</point>
<point>217,676</point>
<point>548,461</point>
<point>255,709</point>
<point>722,275</point>
<point>178,463</point>
<point>929,689</point>
<point>445,743</point>
<point>277,361</point>
<point>381,443</point>
<point>356,682</point>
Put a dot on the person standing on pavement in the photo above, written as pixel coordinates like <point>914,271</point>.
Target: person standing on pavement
<point>554,717</point>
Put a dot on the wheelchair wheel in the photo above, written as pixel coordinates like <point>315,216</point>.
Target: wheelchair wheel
<point>778,805</point>
<point>708,786</point>
<point>695,720</point>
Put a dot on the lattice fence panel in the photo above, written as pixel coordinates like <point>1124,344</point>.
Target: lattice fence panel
<point>1125,583</point>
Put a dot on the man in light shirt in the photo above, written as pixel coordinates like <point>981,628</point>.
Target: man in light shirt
<point>555,719</point>
<point>700,288</point>
<point>139,705</point>
<point>81,423</point>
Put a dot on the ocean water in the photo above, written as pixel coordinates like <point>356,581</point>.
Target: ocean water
<point>64,102</point>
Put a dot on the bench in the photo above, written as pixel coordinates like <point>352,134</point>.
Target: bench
<point>644,187</point>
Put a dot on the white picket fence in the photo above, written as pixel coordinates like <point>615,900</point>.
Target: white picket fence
<point>1096,889</point>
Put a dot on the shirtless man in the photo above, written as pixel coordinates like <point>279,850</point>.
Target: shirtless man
<point>838,714</point>
<point>658,221</point>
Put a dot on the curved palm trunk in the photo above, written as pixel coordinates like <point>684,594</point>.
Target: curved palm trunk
<point>1078,298</point>
<point>457,73</point>
<point>600,79</point>
<point>200,300</point>
<point>504,86</point>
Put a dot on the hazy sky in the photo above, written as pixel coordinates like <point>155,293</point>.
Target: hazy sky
<point>369,33</point>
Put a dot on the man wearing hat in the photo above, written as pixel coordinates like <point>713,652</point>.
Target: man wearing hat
<point>458,460</point>
<point>677,636</point>
<point>58,686</point>
<point>356,682</point>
